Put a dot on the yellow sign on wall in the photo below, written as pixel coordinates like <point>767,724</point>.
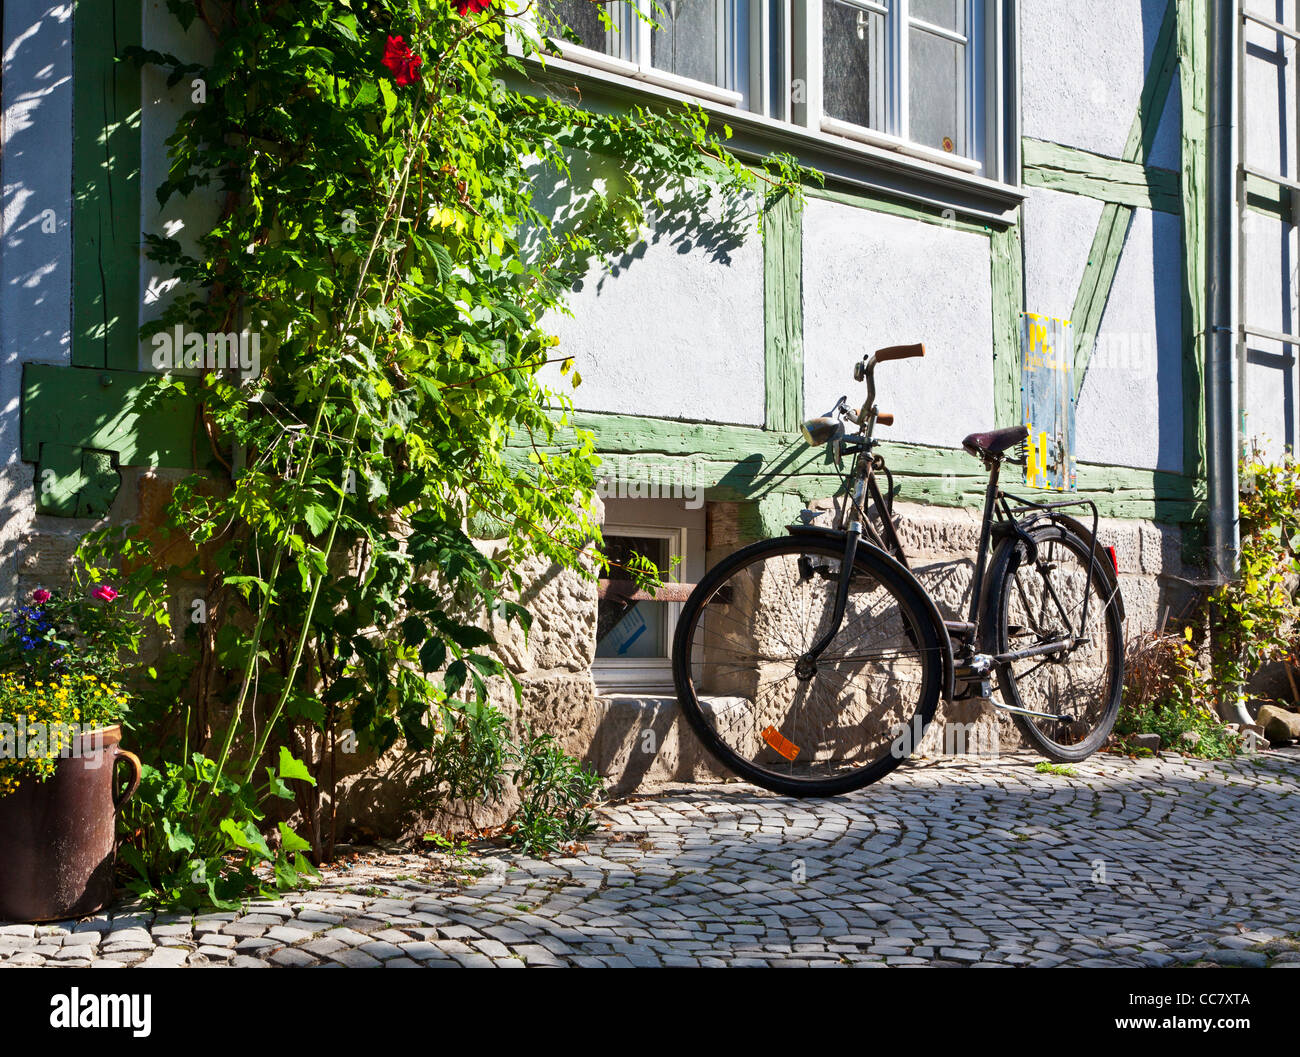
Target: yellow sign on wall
<point>1047,401</point>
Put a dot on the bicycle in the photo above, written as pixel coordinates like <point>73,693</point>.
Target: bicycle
<point>804,662</point>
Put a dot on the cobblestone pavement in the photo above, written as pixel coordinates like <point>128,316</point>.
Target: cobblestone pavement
<point>1145,863</point>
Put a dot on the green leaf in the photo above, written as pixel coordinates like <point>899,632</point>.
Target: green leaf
<point>291,768</point>
<point>318,518</point>
<point>290,841</point>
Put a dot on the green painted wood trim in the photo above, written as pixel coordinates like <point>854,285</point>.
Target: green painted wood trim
<point>1165,57</point>
<point>1074,171</point>
<point>1112,229</point>
<point>126,412</point>
<point>1267,198</point>
<point>1008,283</point>
<point>783,315</point>
<point>745,463</point>
<point>943,217</point>
<point>106,186</point>
<point>1193,54</point>
<point>1096,284</point>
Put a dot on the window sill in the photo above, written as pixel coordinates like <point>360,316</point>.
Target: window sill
<point>849,164</point>
<point>585,58</point>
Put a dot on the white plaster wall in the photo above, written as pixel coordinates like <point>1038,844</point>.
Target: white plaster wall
<point>1058,230</point>
<point>673,328</point>
<point>872,280</point>
<point>35,265</point>
<point>1270,93</point>
<point>1130,407</point>
<point>1082,68</point>
<point>1270,252</point>
<point>1269,386</point>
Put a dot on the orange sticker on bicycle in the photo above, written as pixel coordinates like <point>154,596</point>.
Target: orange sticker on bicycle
<point>780,744</point>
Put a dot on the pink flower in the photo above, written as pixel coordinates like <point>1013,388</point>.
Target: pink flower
<point>104,593</point>
<point>40,596</point>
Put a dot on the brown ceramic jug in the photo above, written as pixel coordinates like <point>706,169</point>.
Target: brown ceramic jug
<point>58,837</point>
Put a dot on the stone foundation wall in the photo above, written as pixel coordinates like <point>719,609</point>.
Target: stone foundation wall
<point>639,741</point>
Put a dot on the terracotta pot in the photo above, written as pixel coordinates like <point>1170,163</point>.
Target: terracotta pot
<point>57,837</point>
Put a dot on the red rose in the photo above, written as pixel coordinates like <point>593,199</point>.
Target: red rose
<point>471,7</point>
<point>40,596</point>
<point>404,64</point>
<point>104,593</point>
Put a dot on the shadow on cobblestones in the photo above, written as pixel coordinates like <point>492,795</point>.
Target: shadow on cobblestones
<point>950,861</point>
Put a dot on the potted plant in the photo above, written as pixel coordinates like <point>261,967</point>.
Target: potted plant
<point>60,710</point>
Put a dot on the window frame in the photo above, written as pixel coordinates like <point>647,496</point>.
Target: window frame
<point>636,53</point>
<point>646,674</point>
<point>786,111</point>
<point>896,81</point>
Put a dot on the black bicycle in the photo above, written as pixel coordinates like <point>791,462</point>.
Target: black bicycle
<point>811,664</point>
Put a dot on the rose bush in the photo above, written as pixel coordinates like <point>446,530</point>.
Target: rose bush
<point>374,166</point>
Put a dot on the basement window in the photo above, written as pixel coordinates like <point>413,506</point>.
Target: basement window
<point>634,633</point>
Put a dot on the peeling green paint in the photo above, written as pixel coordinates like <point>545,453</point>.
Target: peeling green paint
<point>748,464</point>
<point>106,186</point>
<point>1193,47</point>
<point>1008,283</point>
<point>1059,168</point>
<point>783,315</point>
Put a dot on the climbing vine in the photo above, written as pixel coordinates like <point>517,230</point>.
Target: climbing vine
<point>386,179</point>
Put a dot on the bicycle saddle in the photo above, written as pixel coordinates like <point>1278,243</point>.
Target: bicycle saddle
<point>995,441</point>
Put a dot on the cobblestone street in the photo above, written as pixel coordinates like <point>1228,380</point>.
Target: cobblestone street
<point>1142,863</point>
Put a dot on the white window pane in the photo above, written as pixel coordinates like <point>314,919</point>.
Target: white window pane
<point>581,19</point>
<point>937,93</point>
<point>950,14</point>
<point>853,64</point>
<point>686,41</point>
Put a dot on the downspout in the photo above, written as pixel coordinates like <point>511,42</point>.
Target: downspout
<point>1221,284</point>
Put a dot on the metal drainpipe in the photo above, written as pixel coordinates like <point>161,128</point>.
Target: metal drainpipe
<point>1221,271</point>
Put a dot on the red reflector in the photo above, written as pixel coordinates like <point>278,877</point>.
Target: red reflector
<point>1114,559</point>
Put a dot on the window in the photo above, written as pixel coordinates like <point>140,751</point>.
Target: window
<point>906,74</point>
<point>930,79</point>
<point>634,639</point>
<point>719,50</point>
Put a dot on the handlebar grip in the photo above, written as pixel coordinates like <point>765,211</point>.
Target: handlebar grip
<point>899,352</point>
<point>883,419</point>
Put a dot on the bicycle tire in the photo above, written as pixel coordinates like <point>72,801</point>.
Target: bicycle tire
<point>910,612</point>
<point>1008,610</point>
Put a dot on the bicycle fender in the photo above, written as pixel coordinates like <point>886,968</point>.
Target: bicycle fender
<point>947,689</point>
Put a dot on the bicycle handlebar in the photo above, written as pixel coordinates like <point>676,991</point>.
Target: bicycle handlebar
<point>899,352</point>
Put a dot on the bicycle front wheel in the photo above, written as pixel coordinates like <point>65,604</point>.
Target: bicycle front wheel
<point>1075,691</point>
<point>819,728</point>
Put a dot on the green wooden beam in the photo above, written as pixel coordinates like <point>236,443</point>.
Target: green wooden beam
<point>1008,282</point>
<point>783,315</point>
<point>106,185</point>
<point>745,463</point>
<point>1060,168</point>
<point>1112,230</point>
<point>943,217</point>
<point>129,413</point>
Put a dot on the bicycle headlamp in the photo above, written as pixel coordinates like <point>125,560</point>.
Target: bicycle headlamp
<point>821,430</point>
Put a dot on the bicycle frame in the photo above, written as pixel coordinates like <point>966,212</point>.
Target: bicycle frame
<point>854,525</point>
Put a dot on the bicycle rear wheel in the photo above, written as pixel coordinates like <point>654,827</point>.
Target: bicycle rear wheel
<point>1041,602</point>
<point>837,725</point>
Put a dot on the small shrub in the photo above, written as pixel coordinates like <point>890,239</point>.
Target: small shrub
<point>1167,693</point>
<point>558,794</point>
